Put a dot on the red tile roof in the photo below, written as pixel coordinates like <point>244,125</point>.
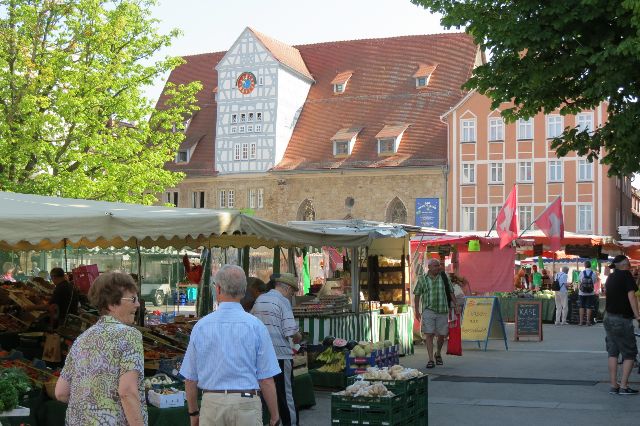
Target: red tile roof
<point>346,134</point>
<point>391,131</point>
<point>381,92</point>
<point>287,55</point>
<point>342,77</point>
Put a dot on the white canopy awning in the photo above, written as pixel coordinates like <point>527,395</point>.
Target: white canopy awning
<point>34,222</point>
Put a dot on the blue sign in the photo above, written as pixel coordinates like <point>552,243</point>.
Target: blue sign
<point>428,212</point>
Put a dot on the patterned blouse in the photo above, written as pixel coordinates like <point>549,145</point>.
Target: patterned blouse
<point>97,359</point>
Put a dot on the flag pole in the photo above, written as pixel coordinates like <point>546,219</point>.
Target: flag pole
<point>539,216</point>
<point>496,219</point>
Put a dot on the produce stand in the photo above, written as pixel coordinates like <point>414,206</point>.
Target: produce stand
<point>507,308</point>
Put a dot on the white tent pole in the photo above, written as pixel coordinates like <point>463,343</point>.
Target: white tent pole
<point>355,280</point>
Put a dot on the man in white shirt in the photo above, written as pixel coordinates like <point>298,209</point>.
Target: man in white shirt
<point>562,296</point>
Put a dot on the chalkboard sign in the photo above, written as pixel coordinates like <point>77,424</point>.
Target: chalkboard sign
<point>528,319</point>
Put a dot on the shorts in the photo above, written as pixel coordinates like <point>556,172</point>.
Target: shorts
<point>620,338</point>
<point>587,302</point>
<point>434,323</point>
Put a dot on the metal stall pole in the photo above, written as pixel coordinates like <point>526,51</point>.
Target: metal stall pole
<point>355,280</point>
<point>142,309</point>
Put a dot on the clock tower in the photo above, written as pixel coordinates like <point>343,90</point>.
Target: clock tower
<point>262,86</point>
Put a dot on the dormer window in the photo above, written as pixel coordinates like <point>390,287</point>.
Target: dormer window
<point>344,141</point>
<point>183,156</point>
<point>389,138</point>
<point>423,75</point>
<point>340,81</point>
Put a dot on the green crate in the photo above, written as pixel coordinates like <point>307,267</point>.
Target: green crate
<point>372,411</point>
<point>418,419</point>
<point>417,385</point>
<point>323,379</point>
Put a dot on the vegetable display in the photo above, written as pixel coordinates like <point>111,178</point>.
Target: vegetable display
<point>8,395</point>
<point>366,389</point>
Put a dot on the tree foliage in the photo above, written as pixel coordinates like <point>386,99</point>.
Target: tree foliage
<point>74,120</point>
<point>566,55</point>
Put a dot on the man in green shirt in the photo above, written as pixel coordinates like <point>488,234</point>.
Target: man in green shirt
<point>431,293</point>
<point>536,278</point>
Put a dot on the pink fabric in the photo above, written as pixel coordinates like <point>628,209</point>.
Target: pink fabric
<point>507,220</point>
<point>551,223</point>
<point>489,269</point>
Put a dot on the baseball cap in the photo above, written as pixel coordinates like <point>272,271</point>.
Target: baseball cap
<point>619,258</point>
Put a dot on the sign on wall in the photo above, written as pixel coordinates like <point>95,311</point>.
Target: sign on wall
<point>428,212</point>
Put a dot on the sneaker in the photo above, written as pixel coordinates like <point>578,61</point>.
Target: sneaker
<point>557,324</point>
<point>614,391</point>
<point>627,391</point>
<point>565,323</point>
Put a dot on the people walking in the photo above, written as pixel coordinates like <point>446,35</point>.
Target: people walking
<point>434,295</point>
<point>621,309</point>
<point>274,310</point>
<point>231,358</point>
<point>561,296</point>
<point>586,294</point>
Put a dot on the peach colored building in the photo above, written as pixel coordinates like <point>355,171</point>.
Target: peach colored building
<point>487,157</point>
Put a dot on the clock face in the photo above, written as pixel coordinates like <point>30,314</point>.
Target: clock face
<point>246,82</point>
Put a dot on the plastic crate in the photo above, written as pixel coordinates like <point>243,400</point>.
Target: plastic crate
<point>418,419</point>
<point>377,411</point>
<point>329,380</point>
<point>413,390</point>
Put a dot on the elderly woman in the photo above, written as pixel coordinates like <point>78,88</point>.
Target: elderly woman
<point>102,379</point>
<point>7,272</point>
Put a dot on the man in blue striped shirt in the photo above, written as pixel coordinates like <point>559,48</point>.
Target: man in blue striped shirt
<point>274,310</point>
<point>229,357</point>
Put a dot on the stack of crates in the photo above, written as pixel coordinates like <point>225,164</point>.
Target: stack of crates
<point>375,411</point>
<point>411,395</point>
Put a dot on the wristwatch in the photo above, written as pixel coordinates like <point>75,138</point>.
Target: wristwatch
<point>194,413</point>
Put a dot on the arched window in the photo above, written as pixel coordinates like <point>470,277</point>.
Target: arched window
<point>306,211</point>
<point>396,211</point>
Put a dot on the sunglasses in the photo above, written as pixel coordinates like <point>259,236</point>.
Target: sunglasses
<point>133,299</point>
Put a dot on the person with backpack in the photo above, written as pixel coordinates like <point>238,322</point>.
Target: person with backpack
<point>561,294</point>
<point>586,293</point>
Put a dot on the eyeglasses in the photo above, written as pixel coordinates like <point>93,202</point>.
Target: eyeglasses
<point>133,299</point>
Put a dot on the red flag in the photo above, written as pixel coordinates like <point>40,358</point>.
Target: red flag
<point>551,223</point>
<point>507,220</point>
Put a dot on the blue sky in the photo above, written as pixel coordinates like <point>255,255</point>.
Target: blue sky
<point>213,25</point>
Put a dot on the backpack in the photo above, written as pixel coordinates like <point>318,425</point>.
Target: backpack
<point>586,285</point>
<point>555,286</point>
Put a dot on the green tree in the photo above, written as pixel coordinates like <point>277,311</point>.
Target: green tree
<point>571,55</point>
<point>74,120</point>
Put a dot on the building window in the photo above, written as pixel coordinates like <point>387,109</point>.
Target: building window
<point>338,88</point>
<point>469,173</point>
<point>231,198</point>
<point>585,221</point>
<point>396,211</point>
<point>183,156</point>
<point>245,151</point>
<point>260,198</point>
<point>525,216</point>
<point>554,126</point>
<point>496,129</point>
<point>493,214</point>
<point>171,198</point>
<point>253,151</point>
<point>236,152</point>
<point>585,170</point>
<point>258,116</point>
<point>234,129</point>
<point>468,130</point>
<point>249,128</point>
<point>525,171</point>
<point>495,175</point>
<point>252,199</point>
<point>468,218</point>
<point>258,128</point>
<point>421,81</point>
<point>250,116</point>
<point>306,211</point>
<point>340,147</point>
<point>584,121</point>
<point>386,146</point>
<point>241,129</point>
<point>234,118</point>
<point>525,129</point>
<point>222,198</point>
<point>555,171</point>
<point>243,118</point>
<point>197,199</point>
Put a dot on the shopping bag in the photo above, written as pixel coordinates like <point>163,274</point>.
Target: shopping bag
<point>454,344</point>
<point>52,352</point>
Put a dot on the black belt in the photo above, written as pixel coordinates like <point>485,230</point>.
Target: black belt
<point>250,392</point>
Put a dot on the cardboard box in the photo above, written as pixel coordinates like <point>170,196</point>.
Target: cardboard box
<point>159,400</point>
